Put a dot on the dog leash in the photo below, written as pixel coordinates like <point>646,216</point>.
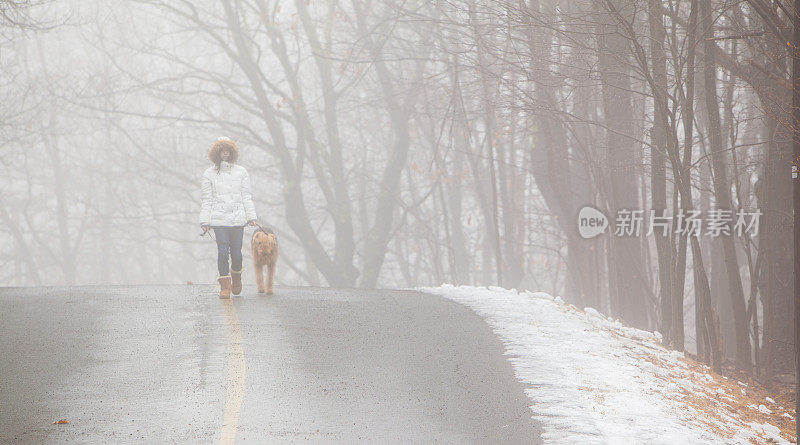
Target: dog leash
<point>215,240</point>
<point>209,234</point>
<point>268,232</point>
<point>262,229</point>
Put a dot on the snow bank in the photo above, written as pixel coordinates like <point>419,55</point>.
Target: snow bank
<point>592,380</point>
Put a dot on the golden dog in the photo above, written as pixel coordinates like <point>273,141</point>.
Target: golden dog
<point>265,253</point>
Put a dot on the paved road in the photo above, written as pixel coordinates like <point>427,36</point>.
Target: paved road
<point>155,364</point>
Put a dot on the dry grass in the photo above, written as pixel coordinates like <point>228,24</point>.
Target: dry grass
<point>724,404</point>
<point>727,404</point>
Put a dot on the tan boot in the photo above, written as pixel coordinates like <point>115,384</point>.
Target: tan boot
<point>224,286</point>
<point>236,281</point>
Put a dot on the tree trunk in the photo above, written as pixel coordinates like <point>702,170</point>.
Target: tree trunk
<point>658,177</point>
<point>722,194</point>
<point>624,166</point>
<point>558,179</point>
<point>681,174</point>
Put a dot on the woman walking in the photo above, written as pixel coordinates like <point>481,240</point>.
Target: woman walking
<point>227,206</point>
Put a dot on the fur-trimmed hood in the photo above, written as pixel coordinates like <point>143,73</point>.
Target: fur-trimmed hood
<point>213,152</point>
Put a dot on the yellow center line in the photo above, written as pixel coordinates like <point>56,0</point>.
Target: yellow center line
<point>237,372</point>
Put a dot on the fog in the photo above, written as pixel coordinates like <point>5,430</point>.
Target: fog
<point>402,144</point>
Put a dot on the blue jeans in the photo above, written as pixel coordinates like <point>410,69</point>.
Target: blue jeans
<point>229,241</point>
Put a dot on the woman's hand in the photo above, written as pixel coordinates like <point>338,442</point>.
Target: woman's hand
<point>205,228</point>
<point>252,222</point>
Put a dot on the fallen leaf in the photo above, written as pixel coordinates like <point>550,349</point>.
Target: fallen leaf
<point>61,422</point>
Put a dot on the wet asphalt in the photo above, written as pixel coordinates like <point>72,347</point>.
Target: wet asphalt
<point>150,364</point>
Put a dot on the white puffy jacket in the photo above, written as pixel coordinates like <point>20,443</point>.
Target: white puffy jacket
<point>226,198</point>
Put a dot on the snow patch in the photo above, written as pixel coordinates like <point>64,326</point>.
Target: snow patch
<point>593,380</point>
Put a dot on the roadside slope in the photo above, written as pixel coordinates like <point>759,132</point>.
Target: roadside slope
<point>592,380</point>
